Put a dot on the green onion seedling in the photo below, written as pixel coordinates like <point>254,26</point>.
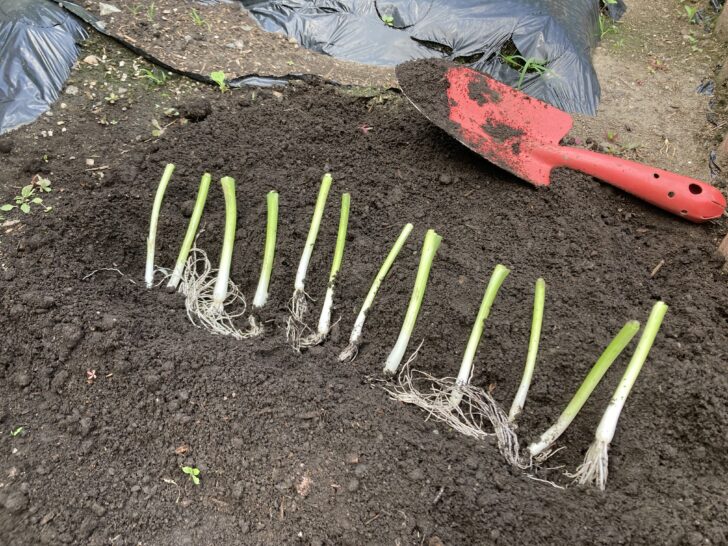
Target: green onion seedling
<point>325,318</point>
<point>536,321</point>
<point>298,306</point>
<point>226,257</point>
<point>468,409</point>
<point>541,448</point>
<point>355,338</point>
<point>210,297</point>
<point>466,367</point>
<point>151,239</point>
<point>191,232</point>
<point>595,467</point>
<point>261,293</point>
<point>429,249</point>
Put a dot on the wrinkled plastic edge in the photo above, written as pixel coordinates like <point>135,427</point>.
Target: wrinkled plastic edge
<point>29,111</point>
<point>247,80</point>
<point>615,10</point>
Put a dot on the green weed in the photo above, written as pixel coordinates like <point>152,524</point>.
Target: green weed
<point>193,472</point>
<point>525,65</point>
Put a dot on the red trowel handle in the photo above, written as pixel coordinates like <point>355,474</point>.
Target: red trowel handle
<point>681,195</point>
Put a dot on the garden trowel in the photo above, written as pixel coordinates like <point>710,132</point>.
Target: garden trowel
<point>521,134</point>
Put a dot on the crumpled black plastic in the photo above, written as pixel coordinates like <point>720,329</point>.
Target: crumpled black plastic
<point>37,49</point>
<point>474,32</point>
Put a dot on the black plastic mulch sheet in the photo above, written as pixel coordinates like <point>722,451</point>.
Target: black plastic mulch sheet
<point>38,42</point>
<point>37,49</point>
<point>474,32</point>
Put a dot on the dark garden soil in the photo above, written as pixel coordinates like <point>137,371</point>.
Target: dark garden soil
<point>300,449</point>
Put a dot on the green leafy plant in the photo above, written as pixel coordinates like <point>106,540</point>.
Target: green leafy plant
<point>155,76</point>
<point>30,195</point>
<point>193,472</point>
<point>197,19</point>
<point>693,42</point>
<point>17,432</point>
<point>606,25</point>
<point>525,66</point>
<point>157,130</point>
<point>388,20</point>
<point>152,12</point>
<point>691,12</point>
<point>219,78</point>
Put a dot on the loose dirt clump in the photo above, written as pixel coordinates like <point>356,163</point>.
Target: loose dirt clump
<point>116,390</point>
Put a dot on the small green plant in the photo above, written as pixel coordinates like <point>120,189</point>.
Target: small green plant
<point>694,47</point>
<point>155,76</point>
<point>613,144</point>
<point>29,195</point>
<point>193,472</point>
<point>524,66</point>
<point>388,20</point>
<point>691,12</point>
<point>111,98</point>
<point>606,26</point>
<point>152,12</point>
<point>158,130</point>
<point>17,432</point>
<point>135,9</point>
<point>197,19</point>
<point>219,78</point>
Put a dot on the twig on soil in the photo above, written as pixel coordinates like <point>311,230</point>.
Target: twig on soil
<point>439,494</point>
<point>657,268</point>
<point>170,481</point>
<point>370,520</point>
<point>114,269</point>
<point>548,482</point>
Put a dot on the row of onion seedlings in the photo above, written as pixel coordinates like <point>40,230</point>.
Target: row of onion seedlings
<point>214,302</point>
<point>473,411</point>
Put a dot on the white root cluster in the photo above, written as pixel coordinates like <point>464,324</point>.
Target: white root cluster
<point>350,352</point>
<point>296,327</point>
<point>595,468</point>
<point>255,326</point>
<point>476,413</point>
<point>198,284</point>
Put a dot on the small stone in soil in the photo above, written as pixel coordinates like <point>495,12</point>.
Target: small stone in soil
<point>187,207</point>
<point>416,475</point>
<point>97,509</point>
<point>22,379</point>
<point>16,502</point>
